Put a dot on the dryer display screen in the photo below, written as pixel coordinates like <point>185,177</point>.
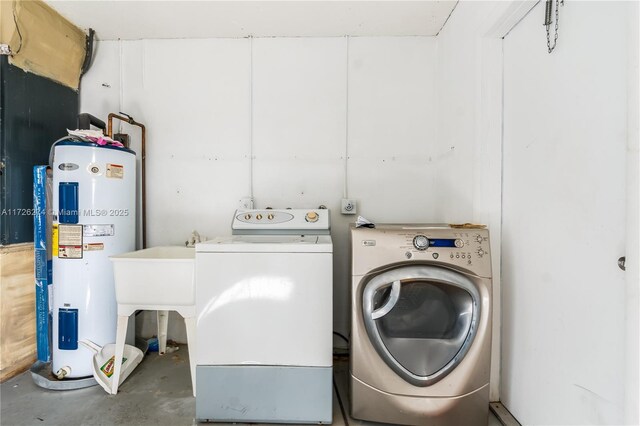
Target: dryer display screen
<point>442,242</point>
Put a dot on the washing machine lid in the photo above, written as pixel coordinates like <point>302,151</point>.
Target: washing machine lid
<point>267,244</point>
<point>421,320</point>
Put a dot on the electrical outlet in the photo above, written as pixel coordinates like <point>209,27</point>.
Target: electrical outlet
<point>348,206</point>
<point>246,203</point>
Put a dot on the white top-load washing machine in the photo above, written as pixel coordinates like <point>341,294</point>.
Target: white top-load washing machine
<point>421,325</point>
<point>264,329</point>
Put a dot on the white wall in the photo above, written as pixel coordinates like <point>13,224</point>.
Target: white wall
<point>295,122</point>
<point>394,159</point>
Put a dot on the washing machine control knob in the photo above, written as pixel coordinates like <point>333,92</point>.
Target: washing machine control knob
<point>311,217</point>
<point>459,243</point>
<point>421,242</point>
<point>259,216</point>
<point>247,216</point>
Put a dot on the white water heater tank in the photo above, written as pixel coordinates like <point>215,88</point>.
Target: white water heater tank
<point>94,217</point>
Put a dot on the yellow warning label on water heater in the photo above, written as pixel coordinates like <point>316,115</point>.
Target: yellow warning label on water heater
<point>70,241</point>
<point>94,246</point>
<point>115,171</point>
<point>54,241</point>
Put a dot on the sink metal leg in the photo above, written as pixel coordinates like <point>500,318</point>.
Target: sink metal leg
<point>121,335</point>
<point>190,323</point>
<point>163,322</point>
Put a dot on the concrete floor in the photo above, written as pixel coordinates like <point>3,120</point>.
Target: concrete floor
<point>158,392</point>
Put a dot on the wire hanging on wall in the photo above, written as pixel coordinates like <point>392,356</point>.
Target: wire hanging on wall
<point>547,22</point>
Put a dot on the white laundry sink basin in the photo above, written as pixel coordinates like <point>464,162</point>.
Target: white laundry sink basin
<point>155,276</point>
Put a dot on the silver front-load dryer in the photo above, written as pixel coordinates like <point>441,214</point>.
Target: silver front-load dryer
<point>421,325</point>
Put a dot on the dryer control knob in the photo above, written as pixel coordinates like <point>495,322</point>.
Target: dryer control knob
<point>270,216</point>
<point>421,242</point>
<point>259,216</point>
<point>247,216</point>
<point>311,217</point>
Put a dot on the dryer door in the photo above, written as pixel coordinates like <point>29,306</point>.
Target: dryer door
<point>421,320</point>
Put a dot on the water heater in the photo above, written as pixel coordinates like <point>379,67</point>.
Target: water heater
<point>94,198</point>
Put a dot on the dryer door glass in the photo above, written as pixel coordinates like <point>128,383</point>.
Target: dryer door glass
<point>421,319</point>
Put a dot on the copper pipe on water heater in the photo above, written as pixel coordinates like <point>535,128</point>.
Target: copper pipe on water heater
<point>128,119</point>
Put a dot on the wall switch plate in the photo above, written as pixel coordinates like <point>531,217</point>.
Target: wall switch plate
<point>246,203</point>
<point>348,206</point>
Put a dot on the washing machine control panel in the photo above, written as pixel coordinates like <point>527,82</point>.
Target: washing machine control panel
<point>258,216</point>
<point>275,221</point>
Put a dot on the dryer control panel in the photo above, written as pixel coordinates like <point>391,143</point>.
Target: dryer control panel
<point>463,248</point>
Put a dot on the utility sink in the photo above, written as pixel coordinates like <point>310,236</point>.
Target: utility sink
<point>155,276</point>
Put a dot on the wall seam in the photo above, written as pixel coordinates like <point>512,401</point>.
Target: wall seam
<point>346,125</point>
<point>251,117</point>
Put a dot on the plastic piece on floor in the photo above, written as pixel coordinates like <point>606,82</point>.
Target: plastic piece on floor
<point>171,349</point>
<point>153,344</point>
<point>104,362</point>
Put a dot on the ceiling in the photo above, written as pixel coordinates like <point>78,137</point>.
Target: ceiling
<point>149,19</point>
